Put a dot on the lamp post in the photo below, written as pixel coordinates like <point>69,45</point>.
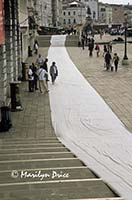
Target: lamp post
<point>125,58</point>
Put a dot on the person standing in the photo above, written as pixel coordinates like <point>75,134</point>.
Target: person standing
<point>97,48</point>
<point>83,41</point>
<point>36,46</point>
<point>105,50</point>
<point>110,46</point>
<point>116,61</point>
<point>34,69</point>
<point>30,79</point>
<point>45,67</point>
<point>53,72</point>
<point>42,79</point>
<point>40,60</point>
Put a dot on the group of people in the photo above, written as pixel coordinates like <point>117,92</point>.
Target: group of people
<point>38,72</point>
<point>86,40</point>
<point>111,63</point>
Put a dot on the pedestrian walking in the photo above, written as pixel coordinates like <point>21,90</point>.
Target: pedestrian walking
<point>42,80</point>
<point>116,61</point>
<point>30,79</point>
<point>97,48</point>
<point>108,60</point>
<point>45,67</point>
<point>53,72</point>
<point>91,47</point>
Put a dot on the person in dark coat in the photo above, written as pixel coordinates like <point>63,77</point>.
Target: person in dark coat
<point>53,72</point>
<point>116,61</point>
<point>107,60</point>
<point>91,47</point>
<point>34,69</point>
<point>45,67</point>
<point>105,50</point>
<point>83,41</point>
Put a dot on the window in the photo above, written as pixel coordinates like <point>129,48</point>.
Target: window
<point>74,21</point>
<point>69,21</point>
<point>69,13</point>
<point>74,12</point>
<point>102,9</point>
<point>64,13</point>
<point>64,21</point>
<point>94,14</point>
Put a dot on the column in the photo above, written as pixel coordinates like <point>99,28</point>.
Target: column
<point>9,41</point>
<point>14,16</point>
<point>3,75</point>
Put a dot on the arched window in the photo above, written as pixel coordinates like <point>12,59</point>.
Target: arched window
<point>64,21</point>
<point>94,14</point>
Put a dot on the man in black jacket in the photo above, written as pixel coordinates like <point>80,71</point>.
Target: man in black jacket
<point>107,60</point>
<point>45,67</point>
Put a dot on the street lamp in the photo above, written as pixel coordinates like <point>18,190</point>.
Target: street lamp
<point>125,58</point>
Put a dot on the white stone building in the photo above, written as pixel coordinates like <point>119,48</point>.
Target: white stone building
<point>105,13</point>
<point>74,13</point>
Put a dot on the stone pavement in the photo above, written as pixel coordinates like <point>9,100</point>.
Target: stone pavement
<point>35,165</point>
<point>114,87</point>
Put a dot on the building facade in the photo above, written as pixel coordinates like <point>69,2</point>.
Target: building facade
<point>9,48</point>
<point>105,14</point>
<point>74,13</point>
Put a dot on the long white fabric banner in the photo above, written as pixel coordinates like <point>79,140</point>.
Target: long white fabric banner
<point>86,125</point>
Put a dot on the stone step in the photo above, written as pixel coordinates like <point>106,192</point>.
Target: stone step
<point>111,198</point>
<point>39,163</point>
<point>72,41</point>
<point>44,40</point>
<point>33,150</point>
<point>45,175</point>
<point>40,155</point>
<point>67,189</point>
<point>28,141</point>
<point>11,146</point>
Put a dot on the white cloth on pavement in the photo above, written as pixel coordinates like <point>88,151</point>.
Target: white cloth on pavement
<point>87,126</point>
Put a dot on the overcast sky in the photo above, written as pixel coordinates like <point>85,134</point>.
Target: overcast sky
<point>117,1</point>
